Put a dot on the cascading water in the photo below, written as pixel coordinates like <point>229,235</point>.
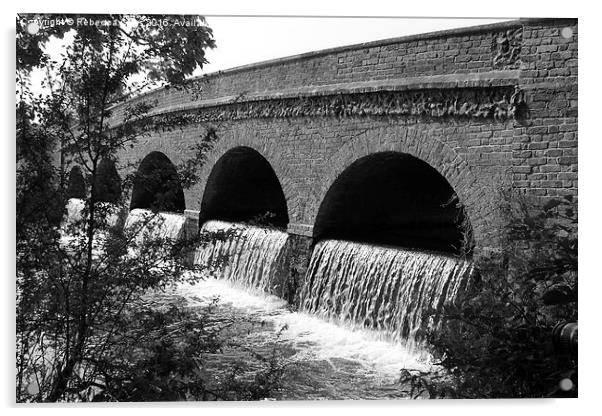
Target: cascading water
<point>254,256</point>
<point>160,225</point>
<point>75,208</point>
<point>386,289</point>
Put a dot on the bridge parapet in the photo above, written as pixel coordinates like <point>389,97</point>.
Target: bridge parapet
<point>487,48</point>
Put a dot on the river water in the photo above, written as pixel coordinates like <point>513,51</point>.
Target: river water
<point>326,355</point>
<point>362,309</point>
<point>324,360</point>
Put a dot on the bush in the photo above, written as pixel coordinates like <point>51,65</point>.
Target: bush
<point>162,350</point>
<point>495,341</point>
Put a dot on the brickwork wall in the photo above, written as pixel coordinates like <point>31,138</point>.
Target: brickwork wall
<point>537,152</point>
<point>544,154</point>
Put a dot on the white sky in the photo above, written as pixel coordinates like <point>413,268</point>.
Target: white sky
<point>245,40</point>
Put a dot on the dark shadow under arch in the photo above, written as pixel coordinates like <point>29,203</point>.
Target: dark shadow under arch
<point>157,185</point>
<point>76,186</point>
<point>243,186</point>
<point>107,186</point>
<point>393,198</point>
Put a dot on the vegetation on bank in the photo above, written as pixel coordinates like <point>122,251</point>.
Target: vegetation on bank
<point>496,340</point>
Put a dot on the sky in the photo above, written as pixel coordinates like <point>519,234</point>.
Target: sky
<point>246,40</point>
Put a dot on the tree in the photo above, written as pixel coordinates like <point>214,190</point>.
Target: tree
<point>72,292</point>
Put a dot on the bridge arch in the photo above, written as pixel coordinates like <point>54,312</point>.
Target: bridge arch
<point>243,186</point>
<point>157,185</point>
<point>393,198</point>
<point>108,183</point>
<point>268,150</point>
<point>76,183</point>
<point>476,197</point>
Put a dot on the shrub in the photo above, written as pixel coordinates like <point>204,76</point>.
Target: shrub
<point>495,341</point>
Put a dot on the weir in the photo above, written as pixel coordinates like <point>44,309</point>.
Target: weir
<point>390,290</point>
<point>256,256</point>
<point>161,224</point>
<point>387,289</point>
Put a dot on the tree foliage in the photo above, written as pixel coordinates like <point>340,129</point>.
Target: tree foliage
<point>76,279</point>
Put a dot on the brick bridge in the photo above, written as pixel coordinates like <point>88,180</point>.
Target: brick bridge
<point>479,107</point>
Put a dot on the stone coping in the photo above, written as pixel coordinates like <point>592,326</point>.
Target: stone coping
<point>305,230</point>
<point>298,229</point>
<point>192,214</point>
<point>293,228</point>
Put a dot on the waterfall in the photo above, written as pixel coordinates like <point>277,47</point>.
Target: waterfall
<point>390,290</point>
<point>254,257</point>
<point>160,225</point>
<point>75,208</point>
<point>386,289</point>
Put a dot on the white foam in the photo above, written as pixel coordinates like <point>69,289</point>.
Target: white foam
<point>313,337</point>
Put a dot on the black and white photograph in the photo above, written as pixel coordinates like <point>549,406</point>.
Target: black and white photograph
<point>275,208</point>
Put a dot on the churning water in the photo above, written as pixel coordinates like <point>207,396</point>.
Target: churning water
<point>387,289</point>
<point>362,307</point>
<point>326,360</point>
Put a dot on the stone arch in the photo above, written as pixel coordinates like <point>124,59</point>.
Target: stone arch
<point>76,185</point>
<point>268,150</point>
<point>243,186</point>
<point>393,198</point>
<point>475,195</point>
<point>107,187</point>
<point>157,185</point>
